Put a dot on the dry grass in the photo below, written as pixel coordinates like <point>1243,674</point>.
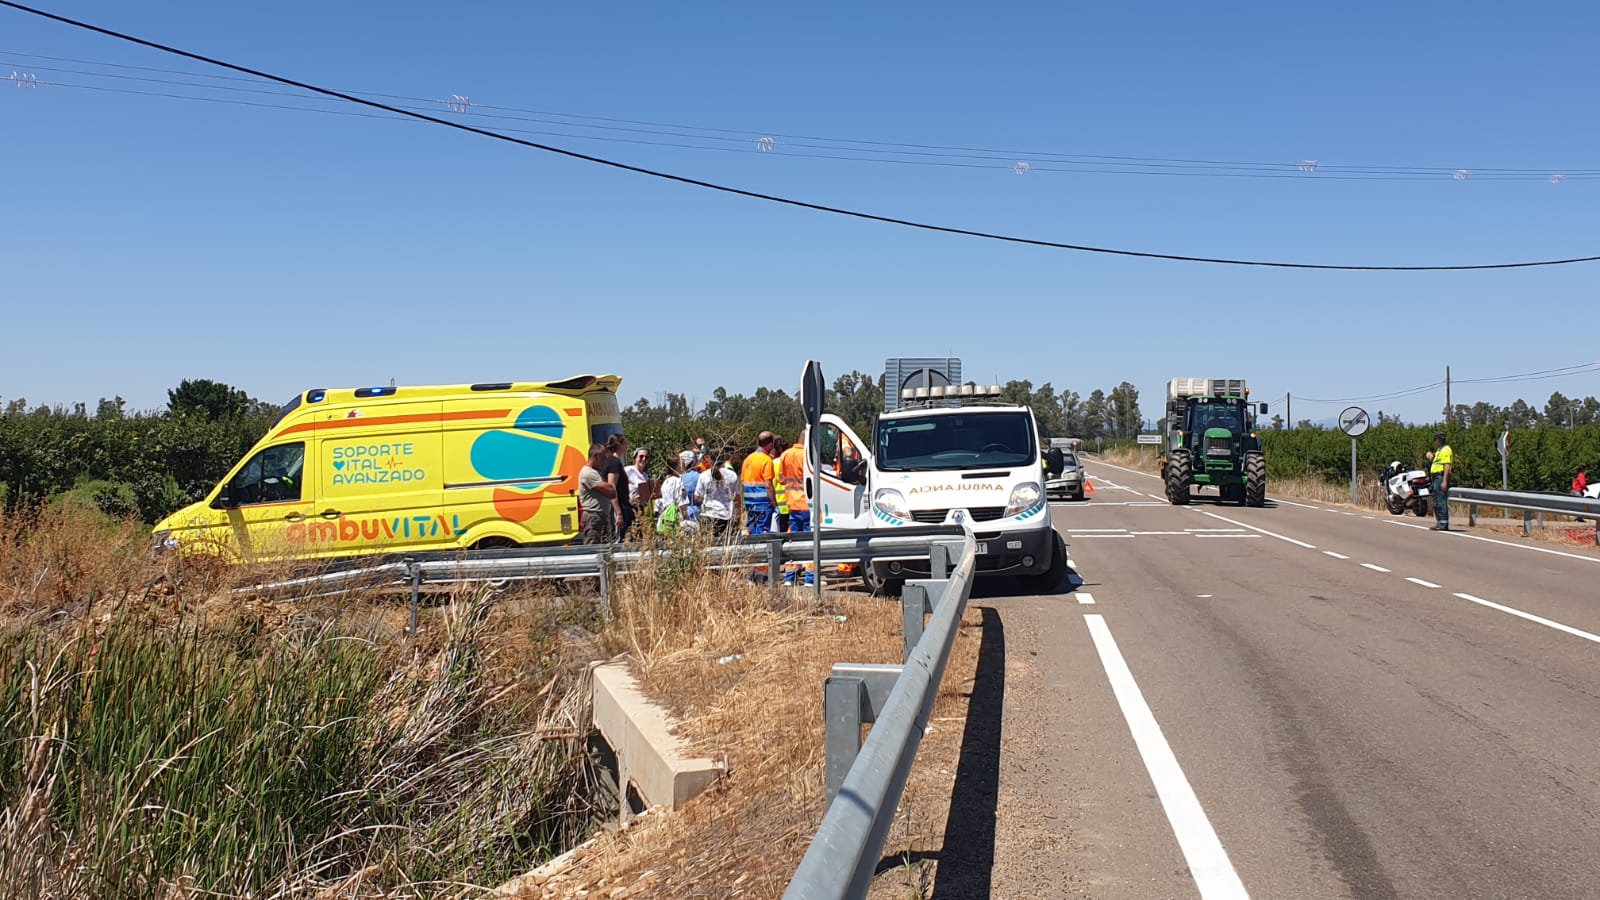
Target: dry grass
<point>463,746</point>
<point>159,736</point>
<point>761,714</point>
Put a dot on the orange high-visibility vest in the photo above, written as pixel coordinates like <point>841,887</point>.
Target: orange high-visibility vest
<point>792,469</point>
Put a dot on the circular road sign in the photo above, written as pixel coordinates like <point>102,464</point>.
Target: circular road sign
<point>1354,421</point>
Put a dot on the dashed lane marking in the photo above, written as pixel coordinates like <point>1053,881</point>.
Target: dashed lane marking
<point>1262,531</point>
<point>1375,568</point>
<point>1426,584</point>
<point>1335,555</point>
<point>1085,599</point>
<point>1549,623</point>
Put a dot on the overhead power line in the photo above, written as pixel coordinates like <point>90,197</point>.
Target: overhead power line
<point>1541,375</point>
<point>771,198</point>
<point>1395,395</point>
<point>746,138</point>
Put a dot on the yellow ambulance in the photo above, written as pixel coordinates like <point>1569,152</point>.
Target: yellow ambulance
<point>355,471</point>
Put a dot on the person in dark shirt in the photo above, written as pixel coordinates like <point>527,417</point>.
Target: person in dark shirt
<point>616,474</point>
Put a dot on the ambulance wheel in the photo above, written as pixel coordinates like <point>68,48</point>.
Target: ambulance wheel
<point>1050,580</point>
<point>882,585</point>
<point>495,543</point>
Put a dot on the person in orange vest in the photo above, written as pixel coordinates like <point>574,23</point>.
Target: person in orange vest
<point>756,475</point>
<point>792,472</point>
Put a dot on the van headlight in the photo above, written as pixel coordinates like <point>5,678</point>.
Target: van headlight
<point>163,541</point>
<point>1023,497</point>
<point>891,502</point>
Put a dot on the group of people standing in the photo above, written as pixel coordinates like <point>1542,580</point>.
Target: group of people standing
<point>723,492</point>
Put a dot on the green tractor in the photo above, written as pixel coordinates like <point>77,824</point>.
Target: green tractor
<point>1211,440</point>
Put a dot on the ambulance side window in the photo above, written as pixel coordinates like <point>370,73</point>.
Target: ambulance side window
<point>272,476</point>
<point>829,451</point>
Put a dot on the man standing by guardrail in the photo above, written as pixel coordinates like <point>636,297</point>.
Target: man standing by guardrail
<point>1443,461</point>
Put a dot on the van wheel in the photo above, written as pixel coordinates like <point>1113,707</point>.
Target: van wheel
<point>882,585</point>
<point>1050,580</point>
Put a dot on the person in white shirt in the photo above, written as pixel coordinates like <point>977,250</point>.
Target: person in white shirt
<point>672,502</point>
<point>720,496</point>
<point>639,478</point>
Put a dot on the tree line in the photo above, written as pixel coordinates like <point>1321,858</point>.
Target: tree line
<point>146,464</point>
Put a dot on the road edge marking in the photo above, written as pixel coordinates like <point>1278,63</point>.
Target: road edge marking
<point>1209,865</point>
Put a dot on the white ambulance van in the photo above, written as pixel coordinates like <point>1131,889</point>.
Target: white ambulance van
<point>955,455</point>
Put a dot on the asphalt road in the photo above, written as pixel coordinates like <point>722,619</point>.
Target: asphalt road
<point>1283,702</point>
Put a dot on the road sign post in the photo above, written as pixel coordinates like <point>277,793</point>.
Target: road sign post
<point>1504,446</point>
<point>1145,440</point>
<point>1354,422</point>
<point>812,391</point>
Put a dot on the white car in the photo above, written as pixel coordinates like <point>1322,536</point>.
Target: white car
<point>1068,483</point>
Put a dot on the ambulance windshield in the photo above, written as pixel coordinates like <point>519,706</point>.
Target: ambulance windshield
<point>978,440</point>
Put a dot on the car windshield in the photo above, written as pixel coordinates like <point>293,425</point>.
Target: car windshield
<point>1217,415</point>
<point>978,440</point>
<point>1069,459</point>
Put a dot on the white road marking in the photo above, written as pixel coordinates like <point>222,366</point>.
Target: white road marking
<point>1369,518</point>
<point>1350,514</point>
<point>1253,537</point>
<point>1203,596</point>
<point>1335,555</point>
<point>1375,568</point>
<point>1262,530</point>
<point>1085,599</point>
<point>1292,503</point>
<point>1092,530</point>
<point>1124,469</point>
<point>1208,862</point>
<point>1533,618</point>
<point>1103,535</point>
<point>1179,533</point>
<point>1156,497</point>
<point>1426,584</point>
<point>1476,537</point>
<point>1410,525</point>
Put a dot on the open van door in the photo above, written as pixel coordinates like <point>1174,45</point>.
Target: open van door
<point>843,494</point>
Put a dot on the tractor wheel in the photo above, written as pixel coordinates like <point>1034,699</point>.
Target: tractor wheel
<point>1255,488</point>
<point>1178,475</point>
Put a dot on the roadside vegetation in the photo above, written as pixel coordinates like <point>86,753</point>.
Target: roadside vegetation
<point>159,737</point>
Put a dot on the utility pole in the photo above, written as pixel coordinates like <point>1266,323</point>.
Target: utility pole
<point>1288,410</point>
<point>1449,411</point>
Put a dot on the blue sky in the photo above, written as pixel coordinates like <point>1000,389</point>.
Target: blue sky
<point>151,239</point>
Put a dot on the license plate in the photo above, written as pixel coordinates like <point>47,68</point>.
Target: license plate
<point>1422,492</point>
<point>983,548</point>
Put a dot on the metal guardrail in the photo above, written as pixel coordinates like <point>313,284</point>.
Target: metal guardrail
<point>601,561</point>
<point>1531,503</point>
<point>865,781</point>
